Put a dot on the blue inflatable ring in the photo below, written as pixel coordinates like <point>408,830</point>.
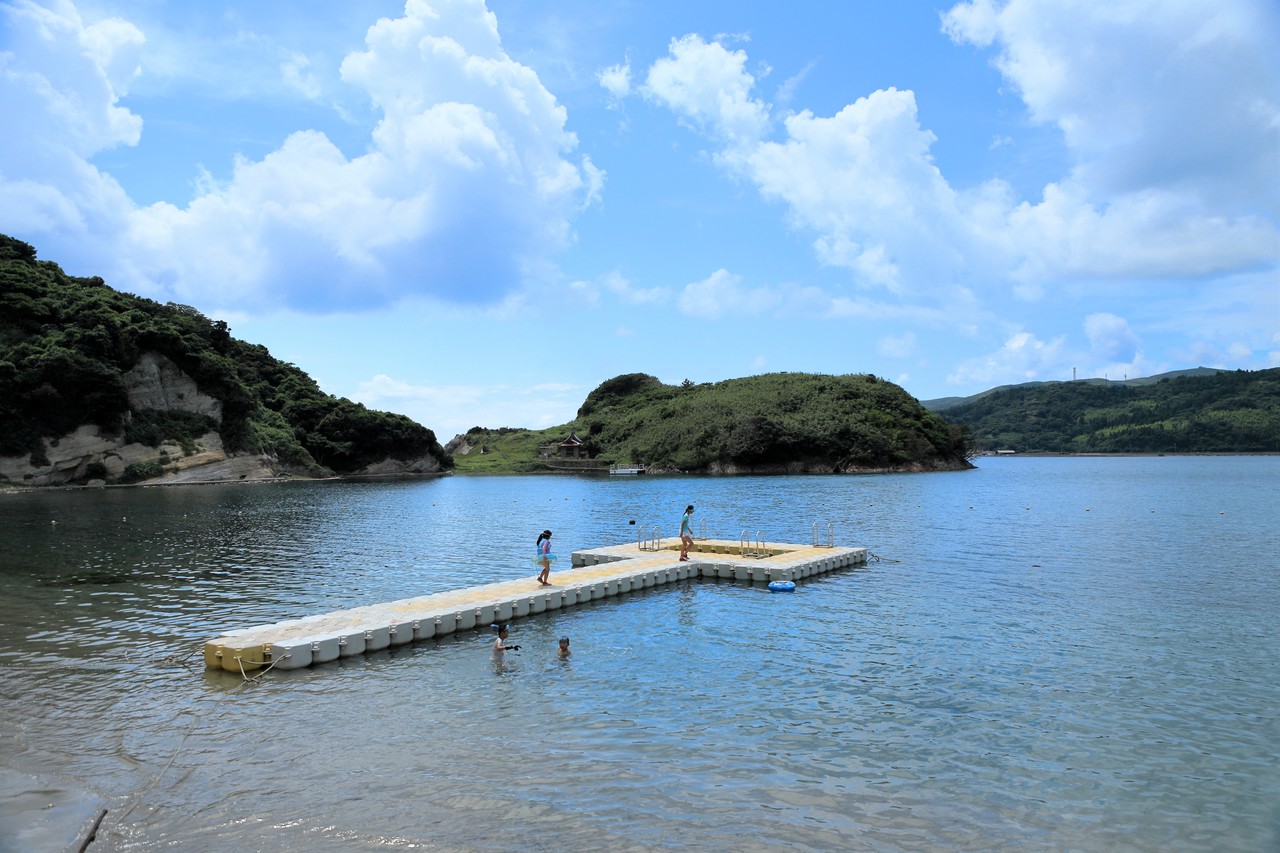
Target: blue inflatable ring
<point>782,586</point>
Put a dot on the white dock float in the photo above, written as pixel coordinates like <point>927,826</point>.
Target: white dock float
<point>595,573</point>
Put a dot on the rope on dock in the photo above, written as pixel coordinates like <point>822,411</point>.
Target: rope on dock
<point>241,662</point>
<point>880,559</point>
<point>178,658</point>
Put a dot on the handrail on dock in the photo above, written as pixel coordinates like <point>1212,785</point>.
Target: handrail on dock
<point>831,536</point>
<point>649,537</point>
<point>752,548</point>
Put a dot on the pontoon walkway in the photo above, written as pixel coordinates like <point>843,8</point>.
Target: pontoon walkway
<point>596,573</point>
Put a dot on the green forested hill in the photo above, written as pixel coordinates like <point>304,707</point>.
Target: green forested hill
<point>66,341</point>
<point>775,422</point>
<point>942,404</point>
<point>1226,412</point>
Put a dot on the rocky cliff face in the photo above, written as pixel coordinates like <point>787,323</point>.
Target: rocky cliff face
<point>154,383</point>
<point>459,445</point>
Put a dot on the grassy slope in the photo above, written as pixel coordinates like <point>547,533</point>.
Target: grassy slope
<point>784,421</point>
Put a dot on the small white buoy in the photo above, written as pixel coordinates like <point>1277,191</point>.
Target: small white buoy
<point>53,521</point>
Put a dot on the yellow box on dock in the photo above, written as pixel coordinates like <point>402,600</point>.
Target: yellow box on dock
<point>217,655</point>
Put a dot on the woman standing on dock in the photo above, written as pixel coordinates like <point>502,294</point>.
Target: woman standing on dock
<point>686,533</point>
<point>544,557</point>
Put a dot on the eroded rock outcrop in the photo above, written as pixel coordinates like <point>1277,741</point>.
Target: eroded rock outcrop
<point>89,452</point>
<point>389,467</point>
<point>459,445</point>
<point>155,382</point>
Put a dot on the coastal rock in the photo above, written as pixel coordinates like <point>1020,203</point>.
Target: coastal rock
<point>228,469</point>
<point>458,446</point>
<point>388,466</point>
<point>71,455</point>
<point>68,457</point>
<point>155,382</point>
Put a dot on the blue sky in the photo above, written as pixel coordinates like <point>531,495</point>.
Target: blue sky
<point>474,214</point>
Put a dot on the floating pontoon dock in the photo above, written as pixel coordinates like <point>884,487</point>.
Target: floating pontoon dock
<point>596,573</point>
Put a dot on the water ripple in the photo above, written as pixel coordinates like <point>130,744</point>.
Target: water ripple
<point>1087,666</point>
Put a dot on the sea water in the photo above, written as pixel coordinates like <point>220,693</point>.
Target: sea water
<point>1042,654</point>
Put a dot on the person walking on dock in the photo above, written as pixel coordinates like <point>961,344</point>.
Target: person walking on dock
<point>544,557</point>
<point>686,533</point>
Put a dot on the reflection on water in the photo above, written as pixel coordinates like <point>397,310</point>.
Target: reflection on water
<point>1062,654</point>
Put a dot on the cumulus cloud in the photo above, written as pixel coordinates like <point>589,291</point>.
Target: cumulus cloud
<point>1022,358</point>
<point>1168,113</point>
<point>468,186</point>
<point>1178,95</point>
<point>1110,337</point>
<point>64,79</point>
<point>722,293</point>
<point>616,80</point>
<point>708,85</point>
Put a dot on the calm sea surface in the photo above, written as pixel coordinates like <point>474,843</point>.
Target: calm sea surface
<point>1054,654</point>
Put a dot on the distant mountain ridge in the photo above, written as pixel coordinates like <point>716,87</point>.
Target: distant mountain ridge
<point>940,404</point>
<point>1195,411</point>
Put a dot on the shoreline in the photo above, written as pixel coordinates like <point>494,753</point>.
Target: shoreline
<point>9,488</point>
<point>1126,454</point>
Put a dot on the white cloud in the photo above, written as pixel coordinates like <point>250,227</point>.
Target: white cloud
<point>1170,121</point>
<point>1147,93</point>
<point>466,189</point>
<point>453,409</point>
<point>1110,337</point>
<point>1022,358</point>
<point>63,80</point>
<point>615,284</point>
<point>1170,115</point>
<point>787,91</point>
<point>900,346</point>
<point>616,80</point>
<point>621,287</point>
<point>722,293</point>
<point>296,73</point>
<point>709,85</point>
